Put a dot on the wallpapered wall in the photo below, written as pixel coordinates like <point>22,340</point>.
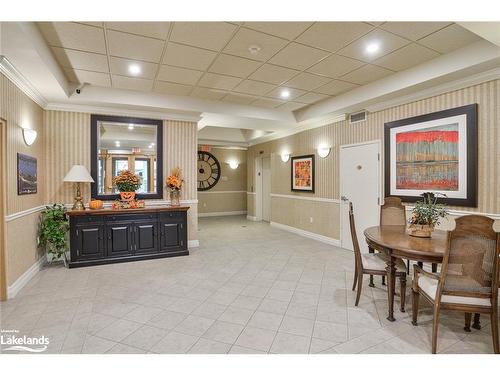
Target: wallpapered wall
<point>290,211</point>
<point>229,195</point>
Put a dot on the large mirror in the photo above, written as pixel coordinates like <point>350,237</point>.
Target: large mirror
<point>120,143</point>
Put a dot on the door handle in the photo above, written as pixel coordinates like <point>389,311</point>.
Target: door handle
<point>344,198</point>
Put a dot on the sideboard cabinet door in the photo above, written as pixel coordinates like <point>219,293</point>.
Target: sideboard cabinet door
<point>119,238</point>
<point>89,242</point>
<point>145,236</point>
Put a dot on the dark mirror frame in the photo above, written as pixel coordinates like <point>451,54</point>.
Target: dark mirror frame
<point>159,154</point>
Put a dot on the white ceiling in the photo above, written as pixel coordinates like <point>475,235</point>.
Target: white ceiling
<point>211,60</point>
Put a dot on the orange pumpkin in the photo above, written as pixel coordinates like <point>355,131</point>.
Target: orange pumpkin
<point>95,204</point>
<point>127,195</point>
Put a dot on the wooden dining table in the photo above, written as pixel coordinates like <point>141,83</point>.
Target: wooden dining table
<point>396,243</point>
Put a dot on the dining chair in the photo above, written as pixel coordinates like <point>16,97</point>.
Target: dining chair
<point>468,281</point>
<point>372,264</point>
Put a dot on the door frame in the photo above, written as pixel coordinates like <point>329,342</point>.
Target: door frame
<point>3,257</point>
<point>378,142</point>
<point>258,187</point>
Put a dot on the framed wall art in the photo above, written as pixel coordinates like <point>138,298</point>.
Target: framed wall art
<point>26,174</point>
<point>434,152</point>
<point>302,173</point>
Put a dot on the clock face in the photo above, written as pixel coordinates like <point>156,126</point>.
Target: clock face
<point>208,171</point>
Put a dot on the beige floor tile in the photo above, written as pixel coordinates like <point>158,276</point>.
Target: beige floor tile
<point>175,343</point>
<point>285,343</point>
<point>145,337</point>
<point>224,332</point>
<point>297,326</point>
<point>205,346</point>
<point>236,315</point>
<point>256,338</point>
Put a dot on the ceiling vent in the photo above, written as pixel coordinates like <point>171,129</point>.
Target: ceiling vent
<point>357,117</point>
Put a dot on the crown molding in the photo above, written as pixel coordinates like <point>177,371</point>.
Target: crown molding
<point>9,71</point>
<point>120,112</point>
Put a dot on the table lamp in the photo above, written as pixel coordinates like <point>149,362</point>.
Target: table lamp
<point>78,174</point>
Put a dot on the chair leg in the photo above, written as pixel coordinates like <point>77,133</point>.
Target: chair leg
<point>355,278</point>
<point>435,326</point>
<point>414,306</point>
<point>402,282</point>
<point>371,284</point>
<point>383,280</point>
<point>477,322</point>
<point>434,267</point>
<point>407,266</point>
<point>360,286</point>
<point>468,319</point>
<point>494,331</point>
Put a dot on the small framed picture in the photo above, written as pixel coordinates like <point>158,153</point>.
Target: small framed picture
<point>303,173</point>
<point>26,174</point>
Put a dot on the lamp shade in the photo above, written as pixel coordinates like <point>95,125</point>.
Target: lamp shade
<point>78,173</point>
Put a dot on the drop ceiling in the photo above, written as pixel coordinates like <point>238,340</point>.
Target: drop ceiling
<point>314,61</point>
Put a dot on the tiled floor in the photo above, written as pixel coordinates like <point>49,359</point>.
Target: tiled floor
<point>249,288</point>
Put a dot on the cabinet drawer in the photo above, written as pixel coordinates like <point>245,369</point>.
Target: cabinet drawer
<point>88,219</point>
<point>130,217</point>
<point>172,215</point>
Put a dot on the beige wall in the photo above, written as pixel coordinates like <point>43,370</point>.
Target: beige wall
<point>487,95</point>
<point>229,194</point>
<point>18,110</point>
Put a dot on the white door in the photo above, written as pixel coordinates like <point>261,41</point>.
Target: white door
<point>266,189</point>
<point>359,184</point>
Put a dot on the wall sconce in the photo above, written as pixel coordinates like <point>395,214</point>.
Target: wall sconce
<point>285,157</point>
<point>233,164</point>
<point>29,136</point>
<point>323,152</point>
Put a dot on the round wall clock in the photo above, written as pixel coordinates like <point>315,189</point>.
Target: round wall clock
<point>208,170</point>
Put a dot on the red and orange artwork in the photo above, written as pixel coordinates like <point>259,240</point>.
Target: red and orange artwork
<point>302,173</point>
<point>427,159</point>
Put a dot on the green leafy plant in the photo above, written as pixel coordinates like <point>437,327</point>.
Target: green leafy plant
<point>53,231</point>
<point>428,211</point>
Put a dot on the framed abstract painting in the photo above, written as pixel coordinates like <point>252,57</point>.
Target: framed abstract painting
<point>303,173</point>
<point>26,174</point>
<point>435,152</point>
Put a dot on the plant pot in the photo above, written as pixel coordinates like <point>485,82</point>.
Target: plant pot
<point>127,196</point>
<point>175,197</point>
<point>419,230</point>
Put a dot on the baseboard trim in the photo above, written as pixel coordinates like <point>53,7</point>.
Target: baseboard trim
<point>304,233</point>
<point>226,213</point>
<point>193,243</point>
<point>251,218</point>
<point>25,278</point>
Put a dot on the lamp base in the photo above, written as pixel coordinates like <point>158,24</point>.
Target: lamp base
<point>78,205</point>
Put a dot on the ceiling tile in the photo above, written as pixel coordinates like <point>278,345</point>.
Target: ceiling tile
<point>211,94</point>
<point>68,58</point>
<point>179,75</point>
<point>151,29</point>
<point>188,57</point>
<point>239,98</point>
<point>273,74</point>
<point>130,83</point>
<point>311,97</point>
<point>172,88</point>
<point>253,87</point>
<point>209,35</point>
<point>233,66</point>
<point>245,38</point>
<point>413,30</point>
<point>366,74</point>
<point>291,106</point>
<point>121,66</point>
<point>267,103</point>
<point>218,81</point>
<point>387,43</point>
<point>92,78</point>
<point>333,35</point>
<point>307,81</point>
<point>297,56</point>
<point>74,35</point>
<point>134,47</point>
<point>335,66</point>
<point>406,57</point>
<point>294,93</point>
<point>287,30</point>
<point>449,39</point>
<point>336,87</point>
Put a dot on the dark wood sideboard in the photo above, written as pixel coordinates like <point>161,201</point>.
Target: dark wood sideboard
<point>111,236</point>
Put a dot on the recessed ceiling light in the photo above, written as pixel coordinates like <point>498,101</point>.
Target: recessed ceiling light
<point>150,146</point>
<point>285,94</point>
<point>254,49</point>
<point>117,143</point>
<point>134,69</point>
<point>130,126</point>
<point>372,47</point>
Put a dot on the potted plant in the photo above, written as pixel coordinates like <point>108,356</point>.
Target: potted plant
<point>425,215</point>
<point>53,230</point>
<point>174,185</point>
<point>127,183</point>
